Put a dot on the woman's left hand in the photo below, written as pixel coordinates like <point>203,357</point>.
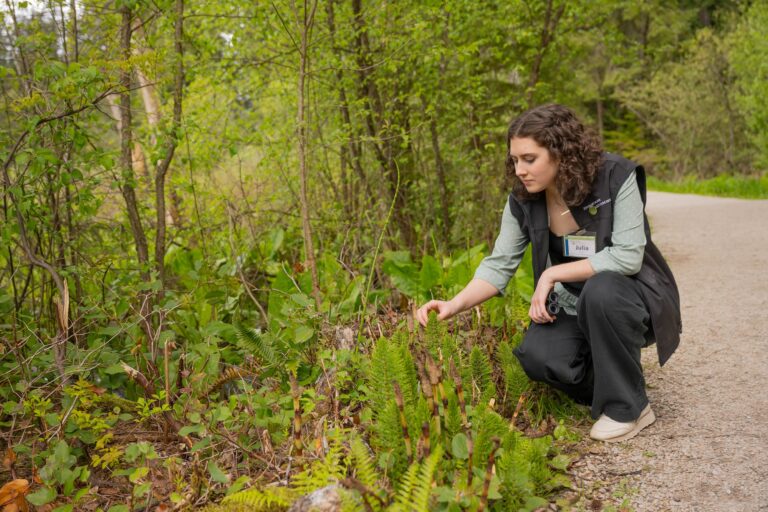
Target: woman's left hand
<point>538,311</point>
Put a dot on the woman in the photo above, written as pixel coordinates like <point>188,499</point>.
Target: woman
<point>602,288</point>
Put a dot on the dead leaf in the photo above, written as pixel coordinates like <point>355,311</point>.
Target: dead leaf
<point>12,496</point>
<point>9,459</point>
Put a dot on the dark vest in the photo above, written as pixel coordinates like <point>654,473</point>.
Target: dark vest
<point>657,283</point>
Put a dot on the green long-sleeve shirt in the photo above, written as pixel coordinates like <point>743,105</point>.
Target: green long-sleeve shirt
<point>625,256</point>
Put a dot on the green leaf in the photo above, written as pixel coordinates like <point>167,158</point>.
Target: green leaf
<point>460,446</point>
<point>430,273</point>
<point>138,473</point>
<point>217,475</point>
<point>403,272</point>
<point>535,502</point>
<point>142,489</point>
<point>302,333</point>
<point>201,444</point>
<point>221,413</point>
<point>42,496</point>
<point>238,484</point>
<point>560,462</point>
<point>444,494</point>
<point>493,488</point>
<point>301,299</point>
<point>191,429</point>
<point>559,480</point>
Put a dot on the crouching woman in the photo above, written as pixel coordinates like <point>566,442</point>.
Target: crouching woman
<point>602,289</point>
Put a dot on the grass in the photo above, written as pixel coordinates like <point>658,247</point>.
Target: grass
<point>743,187</point>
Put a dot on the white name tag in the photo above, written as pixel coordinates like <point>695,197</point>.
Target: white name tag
<point>579,245</point>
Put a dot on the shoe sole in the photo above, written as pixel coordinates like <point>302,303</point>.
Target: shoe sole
<point>642,422</point>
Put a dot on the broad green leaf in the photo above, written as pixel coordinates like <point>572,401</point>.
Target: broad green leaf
<point>460,446</point>
<point>217,475</point>
<point>302,333</point>
<point>430,273</point>
<point>42,496</point>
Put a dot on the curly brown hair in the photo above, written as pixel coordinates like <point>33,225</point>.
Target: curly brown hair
<point>577,150</point>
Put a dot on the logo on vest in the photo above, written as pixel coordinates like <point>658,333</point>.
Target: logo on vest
<point>594,205</point>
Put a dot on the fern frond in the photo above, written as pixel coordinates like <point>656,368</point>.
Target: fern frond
<point>405,367</point>
<point>407,484</point>
<point>518,307</point>
<point>415,485</point>
<point>322,472</point>
<point>391,360</point>
<point>516,381</point>
<point>453,421</point>
<point>228,375</point>
<point>434,334</point>
<point>257,344</point>
<point>482,372</point>
<point>489,425</point>
<point>422,490</point>
<point>269,499</point>
<point>363,463</point>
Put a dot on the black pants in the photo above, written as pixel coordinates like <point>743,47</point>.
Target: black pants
<point>594,357</point>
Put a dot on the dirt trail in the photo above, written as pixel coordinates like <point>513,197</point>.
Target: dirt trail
<point>708,450</point>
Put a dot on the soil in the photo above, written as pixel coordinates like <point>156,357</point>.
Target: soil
<point>708,450</point>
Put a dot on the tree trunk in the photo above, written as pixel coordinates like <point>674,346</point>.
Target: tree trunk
<point>126,157</point>
<point>397,180</point>
<point>445,213</point>
<point>600,113</point>
<point>173,137</point>
<point>307,16</point>
<point>128,177</point>
<point>75,43</point>
<point>61,301</point>
<point>353,148</point>
<point>548,29</point>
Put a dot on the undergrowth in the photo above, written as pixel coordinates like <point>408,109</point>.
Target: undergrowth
<point>233,417</point>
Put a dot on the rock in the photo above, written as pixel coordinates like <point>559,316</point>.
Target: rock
<point>325,499</point>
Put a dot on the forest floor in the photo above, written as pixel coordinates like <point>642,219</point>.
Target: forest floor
<point>708,450</point>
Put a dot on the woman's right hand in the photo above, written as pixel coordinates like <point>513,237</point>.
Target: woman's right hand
<point>445,309</point>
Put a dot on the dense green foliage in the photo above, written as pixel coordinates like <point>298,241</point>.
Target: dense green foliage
<point>218,216</point>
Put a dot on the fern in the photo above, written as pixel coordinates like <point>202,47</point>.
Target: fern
<point>420,493</point>
<point>391,360</point>
<point>269,499</point>
<point>363,464</point>
<point>228,375</point>
<point>328,470</point>
<point>450,350</point>
<point>416,484</point>
<point>524,470</point>
<point>516,382</point>
<point>407,483</point>
<point>434,334</point>
<point>453,422</point>
<point>518,308</point>
<point>489,425</point>
<point>482,373</point>
<point>257,344</point>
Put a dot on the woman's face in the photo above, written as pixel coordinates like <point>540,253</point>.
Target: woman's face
<point>533,164</point>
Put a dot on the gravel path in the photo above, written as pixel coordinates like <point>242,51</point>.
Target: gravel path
<point>708,450</point>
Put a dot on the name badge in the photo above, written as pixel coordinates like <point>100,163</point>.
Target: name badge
<point>579,245</point>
